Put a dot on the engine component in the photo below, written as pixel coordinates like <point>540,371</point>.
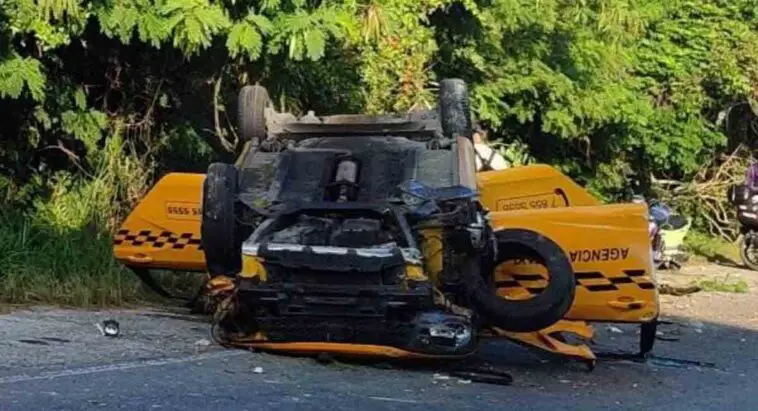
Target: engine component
<point>442,333</point>
<point>345,187</point>
<point>307,230</point>
<point>357,232</point>
<point>347,171</point>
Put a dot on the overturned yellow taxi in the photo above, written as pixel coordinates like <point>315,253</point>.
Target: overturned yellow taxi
<point>374,235</point>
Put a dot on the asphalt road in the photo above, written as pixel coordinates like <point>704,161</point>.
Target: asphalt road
<point>57,360</point>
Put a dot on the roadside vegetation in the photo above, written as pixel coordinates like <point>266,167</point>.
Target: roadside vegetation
<point>101,98</point>
<point>725,285</point>
<point>713,249</point>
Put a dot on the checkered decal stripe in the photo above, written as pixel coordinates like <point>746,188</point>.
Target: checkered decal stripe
<point>157,240</point>
<point>636,277</point>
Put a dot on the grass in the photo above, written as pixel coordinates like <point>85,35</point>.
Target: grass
<point>70,268</point>
<point>724,285</point>
<point>76,268</point>
<point>712,249</point>
<point>716,250</point>
<point>55,244</point>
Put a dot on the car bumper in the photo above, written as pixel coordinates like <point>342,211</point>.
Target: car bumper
<point>360,320</point>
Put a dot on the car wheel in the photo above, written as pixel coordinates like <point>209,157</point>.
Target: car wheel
<point>218,227</point>
<point>251,112</point>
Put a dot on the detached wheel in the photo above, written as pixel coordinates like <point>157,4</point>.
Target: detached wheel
<point>538,312</point>
<point>455,108</point>
<point>218,228</point>
<point>251,115</point>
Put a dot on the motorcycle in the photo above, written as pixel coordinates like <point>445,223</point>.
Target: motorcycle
<point>667,232</point>
<point>746,203</point>
<point>653,230</point>
<point>674,228</point>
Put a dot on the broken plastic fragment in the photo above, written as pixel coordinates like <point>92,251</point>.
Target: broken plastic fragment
<point>202,342</point>
<point>108,328</point>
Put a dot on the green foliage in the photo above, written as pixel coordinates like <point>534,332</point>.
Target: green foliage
<point>58,249</point>
<point>712,248</point>
<point>18,74</point>
<point>724,285</point>
<point>515,153</point>
<point>246,36</point>
<point>33,17</point>
<point>609,91</point>
<point>122,18</point>
<point>304,33</point>
<point>84,125</point>
<point>695,61</point>
<point>41,265</point>
<point>193,23</point>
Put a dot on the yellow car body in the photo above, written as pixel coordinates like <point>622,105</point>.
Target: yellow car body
<point>608,246</point>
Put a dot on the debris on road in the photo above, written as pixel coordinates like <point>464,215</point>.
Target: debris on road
<point>614,329</point>
<point>109,328</point>
<point>696,326</point>
<point>258,370</point>
<point>400,400</point>
<point>679,363</point>
<point>438,376</point>
<point>485,376</point>
<point>678,291</point>
<point>203,342</point>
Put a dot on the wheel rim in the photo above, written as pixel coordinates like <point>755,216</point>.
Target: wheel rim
<point>750,254</point>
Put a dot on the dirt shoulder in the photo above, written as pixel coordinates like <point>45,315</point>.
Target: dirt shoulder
<point>738,309</point>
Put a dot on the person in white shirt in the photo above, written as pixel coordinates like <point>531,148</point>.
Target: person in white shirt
<point>486,158</point>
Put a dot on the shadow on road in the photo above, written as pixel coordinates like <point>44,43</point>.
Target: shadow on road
<point>683,346</point>
<point>724,261</point>
<point>675,378</point>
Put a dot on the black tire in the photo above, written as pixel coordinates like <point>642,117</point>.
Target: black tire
<point>218,228</point>
<point>251,117</point>
<point>455,109</point>
<point>536,313</point>
<point>749,260</point>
